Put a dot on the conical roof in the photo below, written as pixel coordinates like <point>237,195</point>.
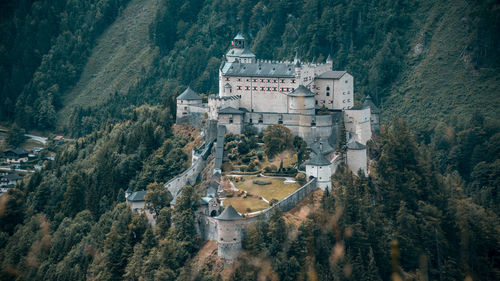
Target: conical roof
<point>369,103</point>
<point>329,59</point>
<point>301,91</point>
<point>239,36</point>
<point>354,145</point>
<point>318,160</point>
<point>189,94</point>
<point>229,214</point>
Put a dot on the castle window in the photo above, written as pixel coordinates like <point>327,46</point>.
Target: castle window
<point>268,80</point>
<point>239,87</point>
<point>269,88</point>
<point>248,80</point>
<point>262,88</point>
<point>327,88</point>
<point>346,81</point>
<point>343,93</point>
<point>255,88</point>
<point>327,94</point>
<point>282,81</point>
<point>313,123</point>
<point>293,80</point>
<point>280,121</point>
<point>274,88</point>
<point>274,81</point>
<point>239,79</point>
<point>254,80</point>
<point>231,120</point>
<point>261,80</point>
<point>250,121</point>
<point>247,87</point>
<point>227,78</point>
<point>316,102</point>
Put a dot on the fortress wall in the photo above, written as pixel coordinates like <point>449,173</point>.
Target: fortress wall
<point>189,176</point>
<point>208,228</point>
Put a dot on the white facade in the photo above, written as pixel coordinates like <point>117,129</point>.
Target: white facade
<point>358,122</point>
<point>322,174</point>
<point>356,157</point>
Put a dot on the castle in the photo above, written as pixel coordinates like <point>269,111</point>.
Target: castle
<point>308,98</point>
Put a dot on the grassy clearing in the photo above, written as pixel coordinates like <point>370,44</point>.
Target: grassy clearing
<point>276,190</point>
<point>242,204</point>
<point>288,157</point>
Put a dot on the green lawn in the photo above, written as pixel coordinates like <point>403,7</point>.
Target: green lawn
<point>277,189</point>
<point>241,204</point>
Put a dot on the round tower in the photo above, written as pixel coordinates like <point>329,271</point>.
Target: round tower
<point>356,157</point>
<point>229,230</point>
<point>320,168</point>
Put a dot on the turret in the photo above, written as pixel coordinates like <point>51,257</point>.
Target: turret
<point>185,100</point>
<point>356,157</point>
<point>239,51</point>
<point>374,114</point>
<point>229,229</point>
<point>320,168</point>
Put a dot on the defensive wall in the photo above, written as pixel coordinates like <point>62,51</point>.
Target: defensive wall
<point>229,234</point>
<point>190,175</point>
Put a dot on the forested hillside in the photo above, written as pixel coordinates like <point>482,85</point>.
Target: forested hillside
<point>81,68</point>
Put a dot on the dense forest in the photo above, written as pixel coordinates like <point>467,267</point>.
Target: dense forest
<point>428,210</point>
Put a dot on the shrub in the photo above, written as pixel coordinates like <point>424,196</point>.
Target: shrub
<point>301,178</point>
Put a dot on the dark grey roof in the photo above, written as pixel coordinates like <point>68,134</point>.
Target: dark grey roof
<point>301,91</point>
<point>239,36</point>
<point>247,53</point>
<point>354,145</point>
<point>12,177</point>
<point>17,150</point>
<point>189,94</point>
<point>137,196</point>
<point>229,214</point>
<point>259,69</point>
<point>227,85</point>
<point>331,75</point>
<point>318,160</point>
<point>321,146</point>
<point>369,103</point>
<point>230,110</point>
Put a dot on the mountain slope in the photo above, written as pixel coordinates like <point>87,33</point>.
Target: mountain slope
<point>442,81</point>
<point>122,54</point>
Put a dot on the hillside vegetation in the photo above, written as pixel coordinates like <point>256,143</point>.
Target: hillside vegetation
<point>427,211</point>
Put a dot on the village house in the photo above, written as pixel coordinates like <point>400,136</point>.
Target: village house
<point>16,156</point>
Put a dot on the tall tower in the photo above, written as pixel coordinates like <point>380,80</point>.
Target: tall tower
<point>239,51</point>
<point>230,233</point>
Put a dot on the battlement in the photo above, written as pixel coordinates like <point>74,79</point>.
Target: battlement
<point>224,98</point>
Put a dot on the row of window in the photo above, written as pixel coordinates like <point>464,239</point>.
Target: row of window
<point>331,101</point>
<point>262,80</point>
<point>266,88</point>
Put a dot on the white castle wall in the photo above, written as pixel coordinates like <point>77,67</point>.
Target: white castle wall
<point>343,90</point>
<point>356,159</point>
<point>215,103</point>
<point>322,174</point>
<point>185,107</point>
<point>358,121</point>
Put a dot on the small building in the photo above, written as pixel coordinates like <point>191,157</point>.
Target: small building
<point>210,206</point>
<point>232,118</point>
<point>356,157</point>
<point>137,203</point>
<point>320,168</point>
<point>230,232</point>
<point>189,103</point>
<point>16,156</point>
<point>10,179</point>
<point>58,140</point>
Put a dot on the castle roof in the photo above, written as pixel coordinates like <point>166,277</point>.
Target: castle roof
<point>329,58</point>
<point>189,94</point>
<point>369,103</point>
<point>354,145</point>
<point>259,69</point>
<point>137,196</point>
<point>301,91</point>
<point>318,160</point>
<point>17,151</point>
<point>239,36</point>
<point>331,75</point>
<point>229,214</point>
<point>230,110</point>
<point>247,53</point>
